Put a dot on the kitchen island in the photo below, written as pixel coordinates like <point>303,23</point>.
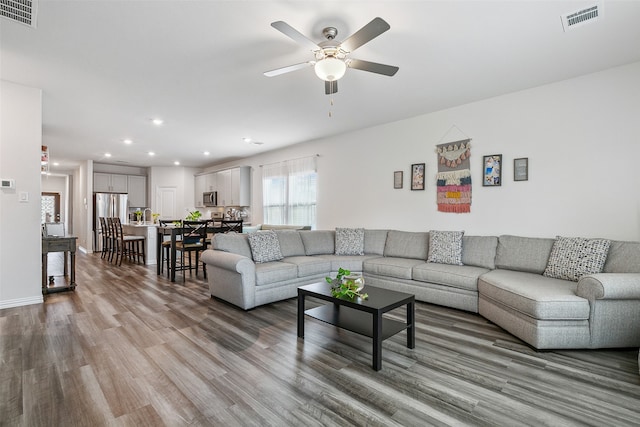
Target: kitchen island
<point>150,233</point>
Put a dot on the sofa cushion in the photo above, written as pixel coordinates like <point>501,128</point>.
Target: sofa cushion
<point>318,242</point>
<point>348,262</point>
<point>623,257</point>
<point>309,265</point>
<point>276,271</point>
<point>290,243</point>
<point>374,241</point>
<point>398,268</point>
<point>404,244</point>
<point>528,254</point>
<point>265,246</point>
<point>479,251</point>
<point>349,241</point>
<point>537,296</point>
<point>445,247</point>
<point>232,242</point>
<point>574,257</point>
<point>457,276</point>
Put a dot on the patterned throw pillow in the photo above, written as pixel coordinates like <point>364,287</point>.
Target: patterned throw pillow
<point>349,241</point>
<point>574,257</point>
<point>265,246</point>
<point>445,247</point>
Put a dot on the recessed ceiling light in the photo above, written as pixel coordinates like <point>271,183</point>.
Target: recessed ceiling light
<point>206,153</point>
<point>176,163</point>
<point>107,154</point>
<point>56,164</point>
<point>151,153</point>
<point>127,141</point>
<point>246,139</point>
<point>157,122</point>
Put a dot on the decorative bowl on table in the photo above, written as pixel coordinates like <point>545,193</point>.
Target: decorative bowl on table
<point>355,280</point>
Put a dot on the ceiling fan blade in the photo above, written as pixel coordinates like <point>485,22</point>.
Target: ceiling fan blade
<point>330,87</point>
<point>365,34</point>
<point>373,67</point>
<point>291,32</point>
<point>288,69</point>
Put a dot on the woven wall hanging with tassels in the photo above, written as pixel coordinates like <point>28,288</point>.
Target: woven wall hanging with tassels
<point>454,176</point>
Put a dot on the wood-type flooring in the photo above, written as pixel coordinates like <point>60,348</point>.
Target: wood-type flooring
<point>130,348</point>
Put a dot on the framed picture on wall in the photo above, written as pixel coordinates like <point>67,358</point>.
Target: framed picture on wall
<point>397,179</point>
<point>521,169</point>
<point>417,176</point>
<point>492,170</point>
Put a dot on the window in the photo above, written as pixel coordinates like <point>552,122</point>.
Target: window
<point>289,192</point>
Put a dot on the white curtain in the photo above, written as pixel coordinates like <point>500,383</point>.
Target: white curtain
<point>289,192</point>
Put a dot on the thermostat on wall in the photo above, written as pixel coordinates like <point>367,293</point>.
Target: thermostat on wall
<point>8,183</point>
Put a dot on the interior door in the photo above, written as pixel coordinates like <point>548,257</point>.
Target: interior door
<point>166,202</point>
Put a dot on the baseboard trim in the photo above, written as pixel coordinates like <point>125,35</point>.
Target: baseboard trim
<point>19,302</point>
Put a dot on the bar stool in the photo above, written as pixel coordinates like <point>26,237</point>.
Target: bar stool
<point>194,240</point>
<point>165,246</point>
<point>128,245</point>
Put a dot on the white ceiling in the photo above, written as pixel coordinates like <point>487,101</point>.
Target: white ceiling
<point>107,67</point>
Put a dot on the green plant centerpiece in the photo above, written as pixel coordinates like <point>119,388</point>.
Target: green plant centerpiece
<point>138,214</point>
<point>346,285</point>
<point>193,216</point>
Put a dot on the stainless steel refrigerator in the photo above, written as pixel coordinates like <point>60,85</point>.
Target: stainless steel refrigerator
<point>108,205</point>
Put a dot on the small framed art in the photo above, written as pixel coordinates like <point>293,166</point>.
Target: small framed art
<point>397,179</point>
<point>521,169</point>
<point>417,176</point>
<point>492,170</point>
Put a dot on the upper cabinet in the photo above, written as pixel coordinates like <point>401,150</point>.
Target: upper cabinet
<point>134,185</point>
<point>233,186</point>
<point>109,183</point>
<point>137,189</point>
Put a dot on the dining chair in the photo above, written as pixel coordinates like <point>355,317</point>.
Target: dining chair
<point>231,225</point>
<point>194,241</point>
<point>165,245</point>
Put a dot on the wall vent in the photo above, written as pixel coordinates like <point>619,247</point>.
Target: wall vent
<point>584,16</point>
<point>22,11</point>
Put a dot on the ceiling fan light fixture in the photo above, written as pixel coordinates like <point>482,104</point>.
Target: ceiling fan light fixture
<point>330,69</point>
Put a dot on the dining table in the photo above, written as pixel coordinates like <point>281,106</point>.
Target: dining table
<point>174,231</point>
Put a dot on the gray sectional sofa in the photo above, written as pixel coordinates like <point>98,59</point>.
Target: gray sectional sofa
<point>500,278</point>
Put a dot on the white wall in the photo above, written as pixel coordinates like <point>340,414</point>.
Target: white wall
<point>581,137</point>
<point>20,246</point>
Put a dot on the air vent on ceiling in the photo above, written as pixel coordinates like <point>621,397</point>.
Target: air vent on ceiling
<point>581,17</point>
<point>22,11</point>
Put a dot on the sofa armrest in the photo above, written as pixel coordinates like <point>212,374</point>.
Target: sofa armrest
<point>231,277</point>
<point>613,286</point>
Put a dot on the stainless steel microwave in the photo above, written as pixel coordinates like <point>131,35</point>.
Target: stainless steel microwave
<point>210,198</point>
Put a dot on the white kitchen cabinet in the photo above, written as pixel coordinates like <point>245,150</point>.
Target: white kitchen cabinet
<point>234,186</point>
<point>200,186</point>
<point>211,182</point>
<point>109,183</point>
<point>137,189</point>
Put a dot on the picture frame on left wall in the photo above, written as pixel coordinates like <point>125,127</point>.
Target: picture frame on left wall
<point>417,176</point>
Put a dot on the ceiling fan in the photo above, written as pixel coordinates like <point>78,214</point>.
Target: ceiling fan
<point>332,57</point>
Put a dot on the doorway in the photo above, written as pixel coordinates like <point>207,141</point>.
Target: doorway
<point>50,207</point>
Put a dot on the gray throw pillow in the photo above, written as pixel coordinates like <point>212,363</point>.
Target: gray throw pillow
<point>349,241</point>
<point>574,257</point>
<point>445,247</point>
<point>265,246</point>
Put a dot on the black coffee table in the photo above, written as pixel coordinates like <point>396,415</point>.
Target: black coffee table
<point>363,317</point>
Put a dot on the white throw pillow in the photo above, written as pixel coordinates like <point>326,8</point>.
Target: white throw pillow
<point>265,246</point>
<point>574,257</point>
<point>445,247</point>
